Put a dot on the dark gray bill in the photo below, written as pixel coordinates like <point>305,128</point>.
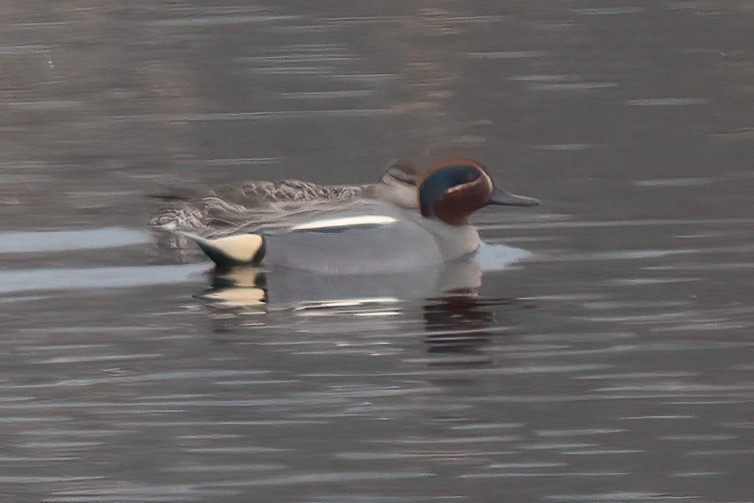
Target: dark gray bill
<point>499,196</point>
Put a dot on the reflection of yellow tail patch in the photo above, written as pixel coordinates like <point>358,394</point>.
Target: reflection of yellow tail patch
<point>240,249</point>
<point>238,297</point>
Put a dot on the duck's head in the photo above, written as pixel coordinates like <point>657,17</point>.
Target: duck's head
<point>452,190</point>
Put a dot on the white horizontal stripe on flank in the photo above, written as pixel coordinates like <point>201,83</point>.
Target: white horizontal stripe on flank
<point>345,222</point>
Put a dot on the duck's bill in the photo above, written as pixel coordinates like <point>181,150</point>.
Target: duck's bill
<point>499,196</point>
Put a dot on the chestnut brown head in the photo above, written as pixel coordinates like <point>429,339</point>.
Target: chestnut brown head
<point>452,190</point>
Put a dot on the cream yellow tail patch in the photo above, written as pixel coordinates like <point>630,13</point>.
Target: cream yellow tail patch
<point>239,249</point>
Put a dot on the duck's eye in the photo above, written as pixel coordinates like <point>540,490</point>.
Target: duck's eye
<point>447,178</point>
<point>443,181</point>
<point>452,176</point>
<point>460,175</point>
<point>471,176</point>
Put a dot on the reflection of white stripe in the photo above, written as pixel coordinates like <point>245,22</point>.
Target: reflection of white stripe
<point>316,304</point>
<point>345,222</point>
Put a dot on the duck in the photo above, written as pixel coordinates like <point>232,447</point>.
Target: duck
<point>378,234</point>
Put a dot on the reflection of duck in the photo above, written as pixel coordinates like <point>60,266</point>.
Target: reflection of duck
<point>459,323</point>
<point>372,236</point>
<point>252,289</point>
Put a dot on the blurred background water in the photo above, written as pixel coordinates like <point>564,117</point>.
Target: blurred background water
<point>615,363</point>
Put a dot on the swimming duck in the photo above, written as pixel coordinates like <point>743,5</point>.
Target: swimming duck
<point>370,236</point>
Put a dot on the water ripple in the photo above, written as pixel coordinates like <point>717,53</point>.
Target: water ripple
<point>74,239</point>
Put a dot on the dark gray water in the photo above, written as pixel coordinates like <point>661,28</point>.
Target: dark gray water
<point>615,364</point>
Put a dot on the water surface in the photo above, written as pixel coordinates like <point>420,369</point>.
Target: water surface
<point>612,361</point>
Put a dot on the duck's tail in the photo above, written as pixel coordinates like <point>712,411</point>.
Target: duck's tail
<point>241,249</point>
